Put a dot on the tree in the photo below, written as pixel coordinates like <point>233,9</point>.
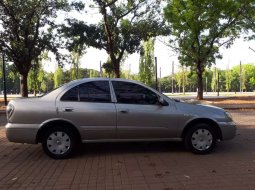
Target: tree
<point>36,73</point>
<point>199,28</point>
<point>12,79</point>
<point>48,82</point>
<point>192,81</point>
<point>184,73</point>
<point>248,77</point>
<point>229,79</point>
<point>123,26</point>
<point>35,78</point>
<point>166,84</point>
<point>208,75</point>
<point>146,66</point>
<point>178,78</point>
<point>59,77</point>
<point>1,63</point>
<point>248,21</point>
<point>109,68</point>
<point>28,29</point>
<point>75,70</point>
<point>93,73</point>
<point>181,78</point>
<point>214,79</point>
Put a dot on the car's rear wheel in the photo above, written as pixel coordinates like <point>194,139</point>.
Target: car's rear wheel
<point>59,142</point>
<point>200,139</point>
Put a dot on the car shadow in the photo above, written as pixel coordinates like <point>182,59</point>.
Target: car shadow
<point>3,119</point>
<point>131,147</point>
<point>243,143</point>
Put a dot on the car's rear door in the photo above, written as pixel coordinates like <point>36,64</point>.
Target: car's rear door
<point>89,107</point>
<point>139,114</point>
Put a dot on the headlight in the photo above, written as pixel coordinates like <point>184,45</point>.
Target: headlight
<point>229,116</point>
<point>9,111</point>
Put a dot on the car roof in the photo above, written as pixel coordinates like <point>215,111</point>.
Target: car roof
<point>103,78</point>
<point>56,92</point>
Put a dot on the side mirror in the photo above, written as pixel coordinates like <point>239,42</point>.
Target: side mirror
<point>162,102</point>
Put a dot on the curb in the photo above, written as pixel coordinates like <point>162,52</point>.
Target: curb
<point>236,108</point>
<point>232,107</point>
<point>223,106</point>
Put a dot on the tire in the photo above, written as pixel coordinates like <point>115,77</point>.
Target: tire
<point>200,139</point>
<point>59,142</point>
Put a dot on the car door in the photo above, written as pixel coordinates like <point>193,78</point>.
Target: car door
<point>139,114</point>
<point>89,107</point>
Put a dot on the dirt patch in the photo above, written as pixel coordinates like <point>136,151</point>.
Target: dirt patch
<point>2,107</point>
<point>233,100</point>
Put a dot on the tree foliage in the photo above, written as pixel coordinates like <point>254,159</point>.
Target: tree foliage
<point>123,26</point>
<point>109,68</point>
<point>199,28</point>
<point>146,66</point>
<point>75,70</point>
<point>247,77</point>
<point>36,75</point>
<point>28,30</point>
<point>248,21</point>
<point>58,77</point>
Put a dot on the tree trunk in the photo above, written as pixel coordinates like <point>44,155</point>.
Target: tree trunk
<point>117,72</point>
<point>116,65</point>
<point>23,85</point>
<point>199,81</point>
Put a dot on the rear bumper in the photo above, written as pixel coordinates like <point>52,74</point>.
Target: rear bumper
<point>21,133</point>
<point>228,130</point>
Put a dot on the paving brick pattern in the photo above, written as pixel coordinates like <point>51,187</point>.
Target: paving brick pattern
<point>153,166</point>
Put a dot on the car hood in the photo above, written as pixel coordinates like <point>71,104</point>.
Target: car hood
<point>200,110</point>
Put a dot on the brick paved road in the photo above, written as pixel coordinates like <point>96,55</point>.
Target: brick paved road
<point>162,166</point>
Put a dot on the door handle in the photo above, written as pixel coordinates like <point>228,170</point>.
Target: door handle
<point>68,109</point>
<point>124,111</point>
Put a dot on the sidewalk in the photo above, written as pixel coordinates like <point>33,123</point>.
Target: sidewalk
<point>2,111</point>
<point>134,166</point>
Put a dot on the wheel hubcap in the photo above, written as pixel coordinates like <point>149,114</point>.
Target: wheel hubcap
<point>202,139</point>
<point>58,142</point>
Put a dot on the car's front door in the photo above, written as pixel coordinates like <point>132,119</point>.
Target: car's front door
<point>139,114</point>
<point>89,107</point>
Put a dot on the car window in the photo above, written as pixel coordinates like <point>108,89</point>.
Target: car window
<point>71,95</point>
<point>131,93</point>
<point>96,91</point>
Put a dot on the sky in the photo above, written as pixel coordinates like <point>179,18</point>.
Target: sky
<point>238,52</point>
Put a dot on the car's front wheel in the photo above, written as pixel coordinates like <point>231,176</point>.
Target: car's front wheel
<point>59,142</point>
<point>200,139</point>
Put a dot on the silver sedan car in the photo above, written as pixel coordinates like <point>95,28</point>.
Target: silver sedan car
<point>106,110</point>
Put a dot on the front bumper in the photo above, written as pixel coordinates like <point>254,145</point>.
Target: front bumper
<point>21,133</point>
<point>228,130</point>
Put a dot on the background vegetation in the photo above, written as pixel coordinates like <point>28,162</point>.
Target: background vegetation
<point>195,30</point>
